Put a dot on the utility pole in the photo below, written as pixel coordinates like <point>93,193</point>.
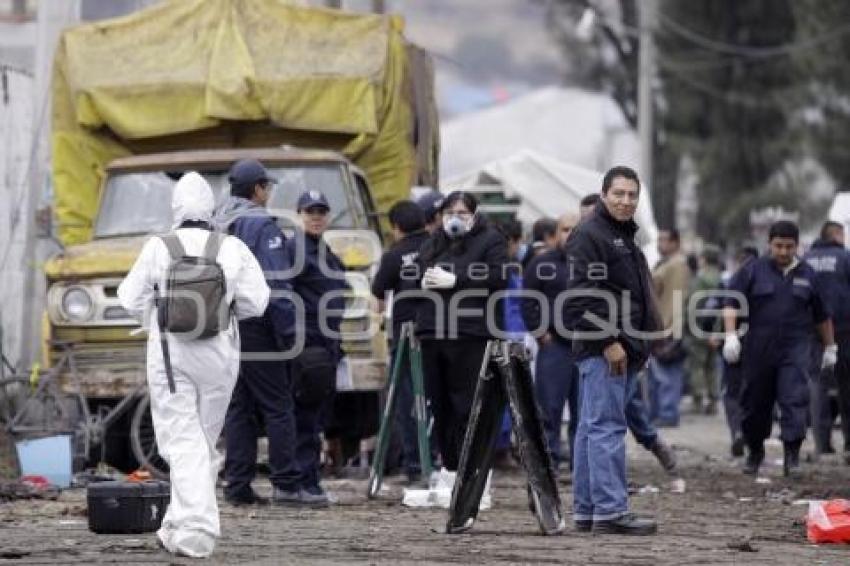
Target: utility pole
<point>646,74</point>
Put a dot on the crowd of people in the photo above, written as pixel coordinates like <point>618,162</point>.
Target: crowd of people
<point>597,321</point>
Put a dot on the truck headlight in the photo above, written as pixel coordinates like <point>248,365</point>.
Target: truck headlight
<point>77,304</point>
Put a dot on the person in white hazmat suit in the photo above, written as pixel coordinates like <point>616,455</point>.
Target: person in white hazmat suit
<point>188,422</point>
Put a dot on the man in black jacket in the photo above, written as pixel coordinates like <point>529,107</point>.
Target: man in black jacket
<point>611,312</point>
<point>396,275</point>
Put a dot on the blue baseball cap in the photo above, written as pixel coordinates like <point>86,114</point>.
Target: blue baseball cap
<point>430,204</point>
<point>312,199</point>
<point>249,172</point>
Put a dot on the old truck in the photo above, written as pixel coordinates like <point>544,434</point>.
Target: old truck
<point>325,99</point>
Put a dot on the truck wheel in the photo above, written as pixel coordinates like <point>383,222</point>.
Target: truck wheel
<point>143,440</point>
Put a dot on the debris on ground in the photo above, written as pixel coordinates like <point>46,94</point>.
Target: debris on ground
<point>28,487</point>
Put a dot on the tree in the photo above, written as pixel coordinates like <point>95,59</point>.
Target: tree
<point>821,59</point>
<point>719,99</point>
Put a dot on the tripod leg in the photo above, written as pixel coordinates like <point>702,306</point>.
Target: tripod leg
<point>376,477</point>
<point>420,409</point>
<point>476,457</point>
<point>533,449</point>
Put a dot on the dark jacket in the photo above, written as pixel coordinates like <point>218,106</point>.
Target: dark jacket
<point>259,231</point>
<point>311,284</point>
<point>782,307</point>
<point>479,260</point>
<point>831,262</point>
<point>602,256</point>
<point>546,273</point>
<point>397,273</point>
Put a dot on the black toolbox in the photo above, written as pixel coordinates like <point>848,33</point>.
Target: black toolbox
<point>119,507</point>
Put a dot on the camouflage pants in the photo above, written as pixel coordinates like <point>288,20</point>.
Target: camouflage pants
<point>702,363</point>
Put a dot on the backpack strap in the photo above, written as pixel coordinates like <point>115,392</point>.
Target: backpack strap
<point>213,246</point>
<point>174,245</point>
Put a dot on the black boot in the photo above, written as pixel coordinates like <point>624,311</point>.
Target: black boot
<point>755,456</point>
<point>791,463</point>
<point>628,524</point>
<point>738,447</point>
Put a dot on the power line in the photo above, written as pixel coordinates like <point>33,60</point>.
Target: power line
<point>750,51</point>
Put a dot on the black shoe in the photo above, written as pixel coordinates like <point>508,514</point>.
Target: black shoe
<point>245,498</point>
<point>583,526</point>
<point>665,455</point>
<point>753,462</point>
<point>628,524</point>
<point>738,447</point>
<point>791,463</point>
<point>314,497</point>
<point>286,498</point>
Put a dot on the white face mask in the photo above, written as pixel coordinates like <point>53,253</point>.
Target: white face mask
<point>455,226</point>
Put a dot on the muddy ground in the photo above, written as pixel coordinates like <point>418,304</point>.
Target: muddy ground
<point>722,518</point>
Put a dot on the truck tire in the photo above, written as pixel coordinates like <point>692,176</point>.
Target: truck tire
<point>143,440</point>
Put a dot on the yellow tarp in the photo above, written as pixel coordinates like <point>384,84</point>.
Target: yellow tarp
<point>166,77</point>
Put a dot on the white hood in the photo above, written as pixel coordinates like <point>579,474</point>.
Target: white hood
<point>193,199</point>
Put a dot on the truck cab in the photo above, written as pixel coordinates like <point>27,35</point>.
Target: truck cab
<point>83,310</point>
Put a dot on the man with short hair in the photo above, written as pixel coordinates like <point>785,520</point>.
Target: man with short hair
<point>588,204</point>
<point>671,279</point>
<point>396,274</point>
<point>831,262</point>
<point>264,385</point>
<point>556,374</point>
<point>786,305</point>
<point>606,266</point>
<point>430,204</point>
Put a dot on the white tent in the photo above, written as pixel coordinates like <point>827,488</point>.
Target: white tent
<point>578,126</point>
<point>840,210</point>
<point>548,187</point>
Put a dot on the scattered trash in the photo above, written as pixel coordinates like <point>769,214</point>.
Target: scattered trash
<point>28,487</point>
<point>729,495</point>
<point>745,499</point>
<point>763,480</point>
<point>439,494</point>
<point>828,521</point>
<point>140,475</point>
<point>648,489</point>
<point>802,501</point>
<point>785,496</point>
<point>745,545</point>
<point>678,486</point>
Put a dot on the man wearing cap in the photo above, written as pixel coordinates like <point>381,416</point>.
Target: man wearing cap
<point>320,283</point>
<point>430,204</point>
<point>264,384</point>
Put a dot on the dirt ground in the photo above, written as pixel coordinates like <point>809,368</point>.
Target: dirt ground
<point>722,518</point>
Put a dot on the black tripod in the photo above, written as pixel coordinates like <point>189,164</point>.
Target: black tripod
<point>505,378</point>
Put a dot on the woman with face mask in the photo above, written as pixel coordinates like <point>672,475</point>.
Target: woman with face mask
<point>461,265</point>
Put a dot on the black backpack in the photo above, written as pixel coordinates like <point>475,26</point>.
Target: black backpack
<point>193,301</point>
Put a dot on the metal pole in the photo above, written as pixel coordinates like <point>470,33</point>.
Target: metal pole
<point>646,73</point>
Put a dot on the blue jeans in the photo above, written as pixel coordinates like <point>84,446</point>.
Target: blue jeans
<point>637,415</point>
<point>556,383</point>
<point>666,390</point>
<point>600,492</point>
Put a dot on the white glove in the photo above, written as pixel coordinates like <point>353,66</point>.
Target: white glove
<point>830,356</point>
<point>438,278</point>
<point>732,349</point>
